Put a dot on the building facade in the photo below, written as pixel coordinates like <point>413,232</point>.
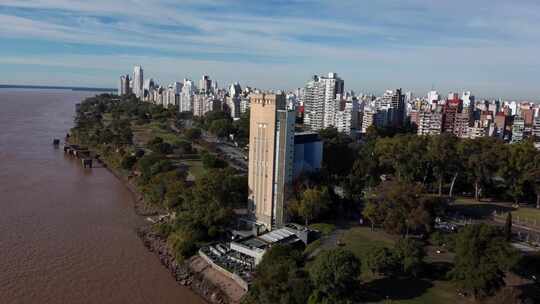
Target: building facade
<point>271,152</point>
<point>138,81</point>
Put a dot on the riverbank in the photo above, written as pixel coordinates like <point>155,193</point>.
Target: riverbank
<point>193,273</point>
<point>186,273</point>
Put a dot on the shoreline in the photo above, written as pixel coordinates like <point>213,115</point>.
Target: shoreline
<point>183,272</point>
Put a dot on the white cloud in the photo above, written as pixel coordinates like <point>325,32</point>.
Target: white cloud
<point>384,43</point>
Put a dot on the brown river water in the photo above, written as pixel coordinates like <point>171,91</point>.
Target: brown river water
<point>67,234</point>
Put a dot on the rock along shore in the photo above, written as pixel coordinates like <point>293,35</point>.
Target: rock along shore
<point>182,272</point>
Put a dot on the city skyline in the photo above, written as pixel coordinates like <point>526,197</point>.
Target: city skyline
<point>489,49</point>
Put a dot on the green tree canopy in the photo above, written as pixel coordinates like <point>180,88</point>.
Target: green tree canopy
<point>279,279</point>
<point>482,257</point>
<point>313,203</point>
<point>334,275</point>
<point>410,254</point>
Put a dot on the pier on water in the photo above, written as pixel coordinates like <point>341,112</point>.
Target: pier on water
<point>81,153</point>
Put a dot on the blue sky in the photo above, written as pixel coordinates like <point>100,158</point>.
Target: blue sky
<point>489,47</point>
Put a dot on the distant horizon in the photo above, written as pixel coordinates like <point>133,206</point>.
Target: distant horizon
<point>57,87</point>
<point>489,47</point>
<point>104,89</point>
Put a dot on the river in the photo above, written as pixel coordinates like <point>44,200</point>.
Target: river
<point>67,234</point>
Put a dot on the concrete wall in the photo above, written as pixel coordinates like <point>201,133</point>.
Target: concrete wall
<point>225,272</point>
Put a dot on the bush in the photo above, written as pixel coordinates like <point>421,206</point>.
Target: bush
<point>446,240</point>
<point>211,161</point>
<point>324,228</point>
<point>163,165</point>
<point>183,244</point>
<point>163,229</point>
<point>379,260</point>
<point>193,133</point>
<point>128,162</point>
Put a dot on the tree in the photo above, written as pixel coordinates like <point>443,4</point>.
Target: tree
<point>193,133</point>
<point>128,162</point>
<point>534,180</point>
<point>482,159</point>
<point>410,254</point>
<point>508,227</point>
<point>313,203</point>
<point>516,162</point>
<point>205,208</point>
<point>183,244</point>
<point>145,165</point>
<point>221,128</point>
<point>373,213</point>
<point>364,174</point>
<point>242,128</point>
<point>210,161</point>
<point>337,152</point>
<point>442,155</point>
<point>279,279</point>
<point>334,274</point>
<point>403,156</point>
<point>399,207</point>
<point>482,257</point>
<point>379,260</point>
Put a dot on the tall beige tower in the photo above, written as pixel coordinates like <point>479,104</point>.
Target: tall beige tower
<point>271,152</point>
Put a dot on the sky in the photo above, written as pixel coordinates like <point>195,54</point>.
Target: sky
<point>490,47</point>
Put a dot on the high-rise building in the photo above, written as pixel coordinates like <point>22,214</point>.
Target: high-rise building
<point>518,128</point>
<point>478,129</point>
<point>450,111</point>
<point>433,96</point>
<point>536,129</point>
<point>468,99</point>
<point>138,81</point>
<point>430,122</point>
<point>186,96</point>
<point>394,103</point>
<point>346,116</point>
<point>271,156</point>
<point>205,84</point>
<point>148,88</point>
<point>244,104</point>
<point>124,88</point>
<point>232,101</point>
<point>462,122</point>
<point>320,99</point>
<point>203,104</point>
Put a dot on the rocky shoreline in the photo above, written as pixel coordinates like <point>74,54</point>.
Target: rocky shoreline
<point>182,272</point>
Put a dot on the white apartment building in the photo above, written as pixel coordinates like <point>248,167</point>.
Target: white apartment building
<point>138,80</point>
<point>320,101</point>
<point>186,96</point>
<point>430,122</point>
<point>346,116</point>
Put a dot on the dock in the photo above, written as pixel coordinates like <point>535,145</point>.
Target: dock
<point>82,153</point>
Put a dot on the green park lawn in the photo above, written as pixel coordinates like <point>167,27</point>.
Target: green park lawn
<point>399,290</point>
<point>196,168</point>
<point>528,213</point>
<point>475,209</point>
<point>359,239</point>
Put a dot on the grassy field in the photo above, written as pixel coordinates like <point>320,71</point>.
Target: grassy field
<point>528,213</point>
<point>475,209</point>
<point>324,228</point>
<point>398,290</point>
<point>412,291</point>
<point>196,168</point>
<point>359,239</point>
<point>144,133</point>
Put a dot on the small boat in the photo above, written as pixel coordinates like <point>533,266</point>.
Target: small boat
<point>56,141</point>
